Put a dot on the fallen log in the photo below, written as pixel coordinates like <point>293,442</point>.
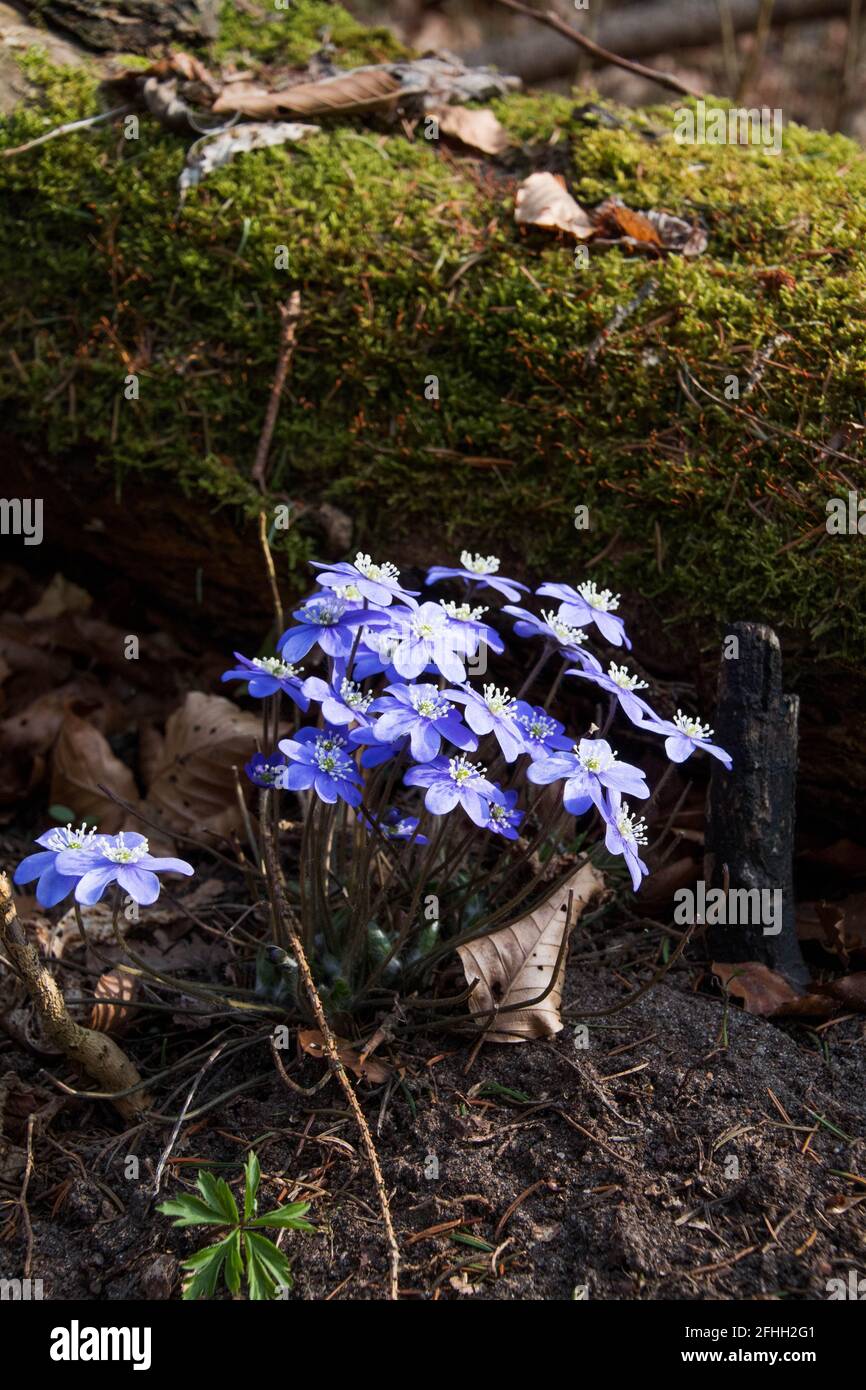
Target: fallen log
<point>641,31</point>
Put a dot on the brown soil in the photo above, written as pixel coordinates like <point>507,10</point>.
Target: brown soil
<point>607,1168</point>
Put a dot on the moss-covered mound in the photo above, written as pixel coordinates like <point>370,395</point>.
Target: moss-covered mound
<point>411,267</point>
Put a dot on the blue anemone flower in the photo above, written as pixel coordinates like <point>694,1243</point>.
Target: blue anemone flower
<point>375,583</point>
<point>590,770</point>
<point>618,682</point>
<point>319,761</point>
<point>542,734</point>
<point>266,675</point>
<point>395,826</point>
<point>550,626</point>
<point>422,712</point>
<point>342,700</point>
<point>54,885</point>
<point>329,621</point>
<point>493,712</point>
<point>624,835</point>
<point>684,735</point>
<point>587,604</point>
<point>504,818</point>
<point>453,782</point>
<point>124,859</point>
<point>480,571</point>
<point>267,769</point>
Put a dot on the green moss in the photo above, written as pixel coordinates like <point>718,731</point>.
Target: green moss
<point>294,34</point>
<point>410,265</point>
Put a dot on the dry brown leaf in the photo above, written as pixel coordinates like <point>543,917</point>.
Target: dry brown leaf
<point>544,201</point>
<point>59,597</point>
<point>118,987</point>
<point>766,993</point>
<point>652,230</point>
<point>849,990</point>
<point>361,90</point>
<point>81,759</point>
<point>630,224</point>
<point>840,927</point>
<point>193,783</point>
<point>369,1069</point>
<point>473,125</point>
<point>516,963</point>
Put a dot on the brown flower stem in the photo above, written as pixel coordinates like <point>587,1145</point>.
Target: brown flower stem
<point>339,1071</point>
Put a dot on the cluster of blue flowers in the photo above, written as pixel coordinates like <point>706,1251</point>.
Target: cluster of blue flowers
<point>397,687</point>
<point>86,863</point>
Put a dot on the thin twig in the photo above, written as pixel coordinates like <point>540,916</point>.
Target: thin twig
<point>604,55</point>
<point>289,316</point>
<point>208,1062</point>
<point>68,128</point>
<point>272,573</point>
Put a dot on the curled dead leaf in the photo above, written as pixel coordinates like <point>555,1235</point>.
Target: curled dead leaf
<point>360,90</point>
<point>369,1069</point>
<point>544,201</point>
<point>515,964</point>
<point>117,987</point>
<point>475,126</point>
<point>192,785</point>
<point>80,761</point>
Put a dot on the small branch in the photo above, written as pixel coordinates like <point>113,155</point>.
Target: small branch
<point>289,316</point>
<point>604,55</point>
<point>95,1053</point>
<point>272,573</point>
<point>68,128</point>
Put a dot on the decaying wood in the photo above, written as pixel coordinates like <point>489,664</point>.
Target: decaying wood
<point>750,825</point>
<point>97,1055</point>
<point>129,26</point>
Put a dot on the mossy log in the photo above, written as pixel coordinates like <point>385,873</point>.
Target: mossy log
<point>442,392</point>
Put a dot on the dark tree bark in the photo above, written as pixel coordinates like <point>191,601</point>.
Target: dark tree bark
<point>750,826</point>
<point>128,26</point>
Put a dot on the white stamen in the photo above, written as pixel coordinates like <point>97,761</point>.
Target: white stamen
<point>273,666</point>
<point>479,564</point>
<point>631,828</point>
<point>462,612</point>
<point>353,696</point>
<point>68,838</point>
<point>499,701</point>
<point>386,573</point>
<point>568,636</point>
<point>620,676</point>
<point>602,599</point>
<point>121,853</point>
<point>463,772</point>
<point>692,728</point>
